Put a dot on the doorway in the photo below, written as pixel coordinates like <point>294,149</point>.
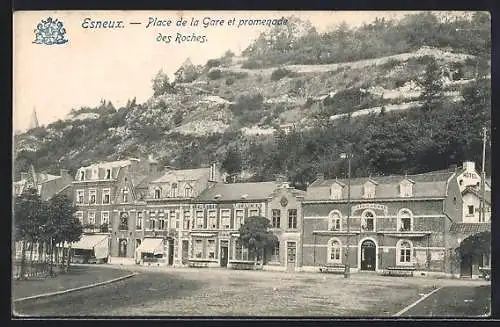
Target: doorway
<point>170,252</point>
<point>291,255</point>
<point>185,252</point>
<point>368,255</point>
<point>122,248</point>
<point>466,266</point>
<point>224,253</point>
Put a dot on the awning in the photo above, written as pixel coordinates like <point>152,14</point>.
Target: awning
<point>89,242</point>
<point>151,245</point>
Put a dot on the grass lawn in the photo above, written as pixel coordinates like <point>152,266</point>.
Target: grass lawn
<point>77,276</point>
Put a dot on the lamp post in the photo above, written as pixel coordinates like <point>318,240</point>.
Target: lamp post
<point>348,155</point>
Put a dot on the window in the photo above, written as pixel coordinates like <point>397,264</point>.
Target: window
<point>105,196</point>
<point>91,217</point>
<point>79,196</point>
<point>292,218</point>
<point>79,216</point>
<point>157,193</point>
<point>275,255</point>
<point>187,219</point>
<point>173,190</point>
<point>471,210</point>
<point>123,221</point>
<point>188,191</point>
<point>404,221</point>
<point>276,218</point>
<point>199,219</point>
<point>152,223</point>
<point>137,243</point>
<point>334,251</point>
<point>108,173</point>
<point>240,252</point>
<point>92,196</point>
<point>334,221</point>
<point>406,189</point>
<point>95,173</point>
<point>139,220</point>
<point>336,192</point>
<point>212,219</point>
<point>162,224</point>
<point>211,249</point>
<point>105,218</point>
<point>198,249</point>
<point>369,190</point>
<point>404,252</point>
<point>239,218</point>
<point>82,175</point>
<point>254,212</point>
<point>368,221</point>
<point>177,220</point>
<point>125,195</point>
<point>225,218</point>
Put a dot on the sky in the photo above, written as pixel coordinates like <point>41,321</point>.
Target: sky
<point>119,64</point>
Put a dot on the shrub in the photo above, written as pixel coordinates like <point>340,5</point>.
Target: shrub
<point>215,74</point>
<point>252,64</point>
<point>280,73</point>
<point>229,81</point>
<point>213,63</point>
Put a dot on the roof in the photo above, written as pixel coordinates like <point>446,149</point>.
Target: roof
<point>151,245</point>
<point>88,242</point>
<point>478,193</point>
<point>432,184</point>
<point>48,185</point>
<point>183,175</point>
<point>110,164</point>
<point>239,191</point>
<point>470,228</point>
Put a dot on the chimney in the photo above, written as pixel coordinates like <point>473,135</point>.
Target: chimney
<point>320,177</point>
<point>24,175</point>
<point>469,165</point>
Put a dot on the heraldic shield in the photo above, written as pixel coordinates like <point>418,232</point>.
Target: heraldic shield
<point>50,31</point>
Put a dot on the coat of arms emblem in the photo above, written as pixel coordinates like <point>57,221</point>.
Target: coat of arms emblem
<point>50,31</point>
<point>284,201</point>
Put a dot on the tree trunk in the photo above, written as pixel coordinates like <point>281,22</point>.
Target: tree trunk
<point>31,258</point>
<point>51,257</point>
<point>23,260</point>
<point>69,258</point>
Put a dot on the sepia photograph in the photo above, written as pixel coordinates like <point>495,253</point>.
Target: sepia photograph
<point>251,164</point>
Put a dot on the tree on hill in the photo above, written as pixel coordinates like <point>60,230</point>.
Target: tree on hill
<point>161,84</point>
<point>256,237</point>
<point>432,86</point>
<point>232,162</point>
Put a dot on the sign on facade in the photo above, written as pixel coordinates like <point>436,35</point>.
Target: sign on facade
<point>373,206</point>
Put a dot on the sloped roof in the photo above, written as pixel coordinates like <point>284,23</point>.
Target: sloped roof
<point>432,184</point>
<point>239,191</point>
<point>478,193</point>
<point>183,175</point>
<point>470,228</point>
<point>109,164</point>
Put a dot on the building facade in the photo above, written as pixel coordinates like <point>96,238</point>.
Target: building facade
<point>390,221</point>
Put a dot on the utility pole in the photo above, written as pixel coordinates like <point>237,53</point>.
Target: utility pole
<point>482,215</point>
<point>347,271</point>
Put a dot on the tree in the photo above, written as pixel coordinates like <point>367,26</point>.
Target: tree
<point>161,84</point>
<point>432,86</point>
<point>256,236</point>
<point>232,162</point>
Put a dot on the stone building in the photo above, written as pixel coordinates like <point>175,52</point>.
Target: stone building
<point>393,221</point>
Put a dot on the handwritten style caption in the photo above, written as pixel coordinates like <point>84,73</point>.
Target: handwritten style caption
<point>176,37</point>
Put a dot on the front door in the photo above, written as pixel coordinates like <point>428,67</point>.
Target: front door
<point>368,255</point>
<point>122,248</point>
<point>291,256</point>
<point>466,266</point>
<point>223,255</point>
<point>170,252</point>
<point>185,252</point>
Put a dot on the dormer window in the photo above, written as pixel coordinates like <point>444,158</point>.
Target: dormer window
<point>217,196</point>
<point>173,190</point>
<point>82,175</point>
<point>188,191</point>
<point>108,173</point>
<point>406,189</point>
<point>336,192</point>
<point>157,193</point>
<point>369,190</point>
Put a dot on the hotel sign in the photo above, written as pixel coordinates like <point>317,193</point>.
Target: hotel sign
<point>247,205</point>
<point>373,206</point>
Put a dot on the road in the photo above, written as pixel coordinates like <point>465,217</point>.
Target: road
<point>204,292</point>
<point>454,301</point>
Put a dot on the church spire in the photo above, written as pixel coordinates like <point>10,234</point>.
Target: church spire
<point>34,120</point>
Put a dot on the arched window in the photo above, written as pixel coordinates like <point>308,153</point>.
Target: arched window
<point>157,193</point>
<point>334,220</point>
<point>334,251</point>
<point>173,190</point>
<point>82,175</point>
<point>368,221</point>
<point>405,220</point>
<point>404,252</point>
